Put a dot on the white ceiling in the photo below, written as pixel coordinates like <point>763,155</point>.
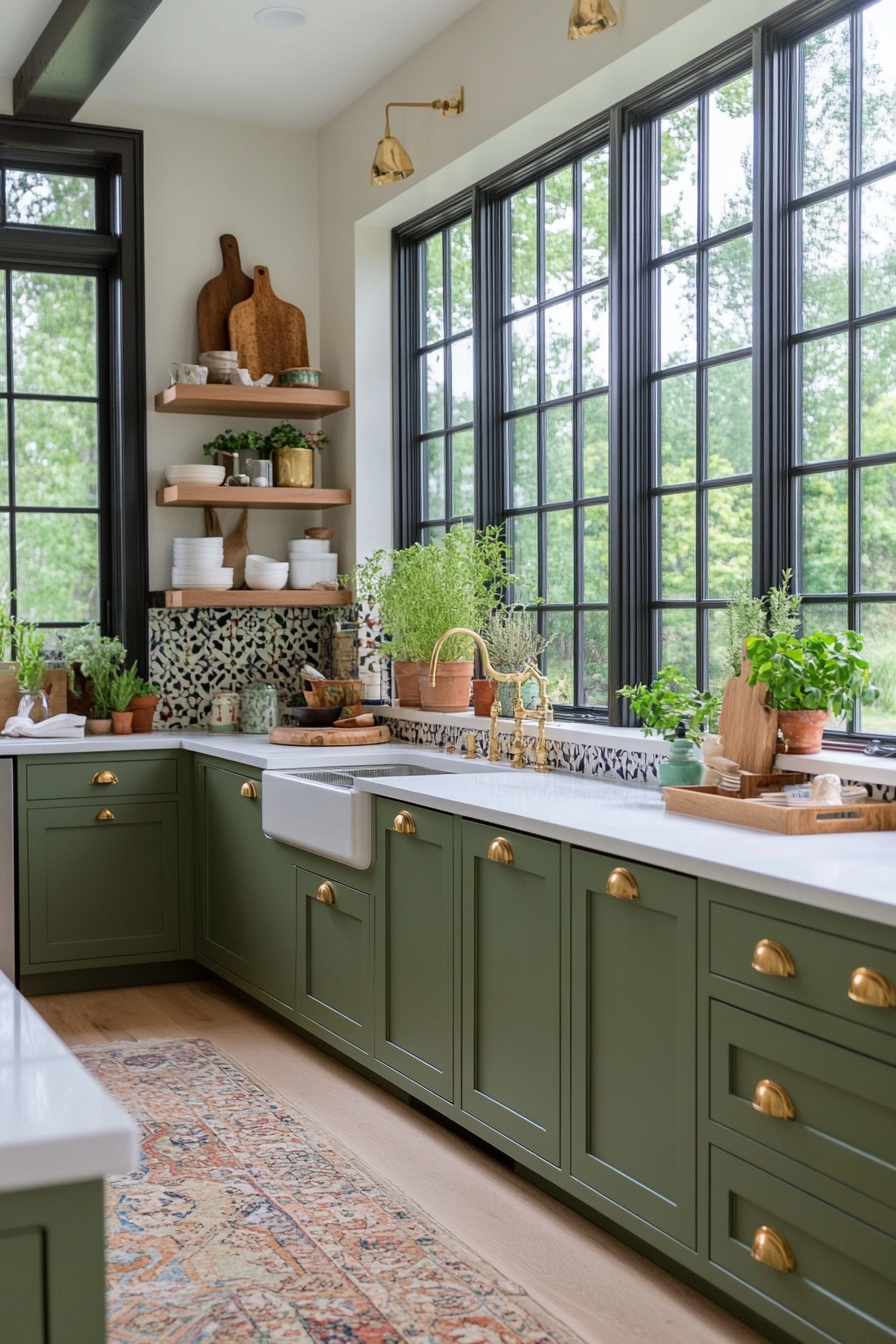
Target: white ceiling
<point>210,56</point>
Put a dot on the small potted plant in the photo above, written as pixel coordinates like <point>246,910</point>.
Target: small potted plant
<point>122,689</point>
<point>92,660</point>
<point>513,642</point>
<point>143,705</point>
<point>669,700</point>
<point>809,679</point>
<point>226,448</point>
<point>292,453</point>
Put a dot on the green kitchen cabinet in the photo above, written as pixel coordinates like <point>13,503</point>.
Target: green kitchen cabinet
<point>244,883</point>
<point>335,981</point>
<point>633,1045</point>
<point>415,945</point>
<point>513,1004</point>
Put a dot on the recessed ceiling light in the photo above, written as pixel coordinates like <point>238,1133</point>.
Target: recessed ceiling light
<point>280,16</point>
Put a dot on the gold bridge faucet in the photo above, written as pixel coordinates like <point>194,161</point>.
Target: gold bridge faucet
<point>544,713</point>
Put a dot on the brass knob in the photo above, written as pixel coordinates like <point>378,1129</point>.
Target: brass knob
<point>771,1099</point>
<point>872,988</point>
<point>622,885</point>
<point>249,789</point>
<point>404,824</point>
<point>771,958</point>
<point>105,815</point>
<point>326,893</point>
<point>771,1250</point>
<point>104,777</point>
<point>500,850</point>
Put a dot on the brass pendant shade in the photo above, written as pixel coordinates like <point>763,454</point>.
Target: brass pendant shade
<point>590,16</point>
<point>392,162</point>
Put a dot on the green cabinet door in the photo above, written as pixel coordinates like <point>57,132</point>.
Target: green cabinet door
<point>245,886</point>
<point>415,962</point>
<point>335,959</point>
<point>512,988</point>
<point>102,881</point>
<point>633,1046</point>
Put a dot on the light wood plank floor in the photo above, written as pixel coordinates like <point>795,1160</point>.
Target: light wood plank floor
<point>601,1289</point>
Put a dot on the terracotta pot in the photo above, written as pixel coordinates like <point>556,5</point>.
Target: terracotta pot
<point>407,683</point>
<point>452,689</point>
<point>483,695</point>
<point>293,467</point>
<point>98,727</point>
<point>143,708</point>
<point>122,722</point>
<point>802,730</point>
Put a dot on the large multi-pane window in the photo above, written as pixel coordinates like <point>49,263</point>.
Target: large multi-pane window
<point>445,371</point>
<point>702,372</point>
<point>685,324</point>
<point>555,342</point>
<point>843,342</point>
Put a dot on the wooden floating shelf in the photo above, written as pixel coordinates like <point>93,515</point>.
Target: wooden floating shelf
<point>276,403</point>
<point>250,497</point>
<point>255,597</point>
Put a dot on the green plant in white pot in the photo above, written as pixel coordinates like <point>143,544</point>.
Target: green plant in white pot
<point>808,680</point>
<point>513,642</point>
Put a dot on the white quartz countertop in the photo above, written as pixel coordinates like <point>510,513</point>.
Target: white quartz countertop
<point>57,1125</point>
<point>854,874</point>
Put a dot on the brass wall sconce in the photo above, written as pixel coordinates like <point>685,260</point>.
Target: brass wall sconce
<point>392,162</point>
<point>590,16</point>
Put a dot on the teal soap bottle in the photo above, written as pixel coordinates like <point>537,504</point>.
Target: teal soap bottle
<point>681,766</point>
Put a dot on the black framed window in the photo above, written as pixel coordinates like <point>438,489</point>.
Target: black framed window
<point>843,336</point>
<point>72,404</point>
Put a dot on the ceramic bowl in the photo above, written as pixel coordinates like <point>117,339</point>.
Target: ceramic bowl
<point>308,717</point>
<point>194,474</point>
<point>270,576</point>
<point>305,377</point>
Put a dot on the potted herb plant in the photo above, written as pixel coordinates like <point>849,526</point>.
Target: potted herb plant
<point>92,660</point>
<point>292,453</point>
<point>143,705</point>
<point>513,642</point>
<point>669,700</point>
<point>230,445</point>
<point>808,680</point>
<point>122,688</point>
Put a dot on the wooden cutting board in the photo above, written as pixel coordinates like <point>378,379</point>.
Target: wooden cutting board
<point>748,730</point>
<point>218,296</point>
<point>330,737</point>
<point>268,334</point>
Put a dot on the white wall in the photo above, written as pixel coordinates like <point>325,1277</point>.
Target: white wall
<point>205,177</point>
<point>525,84</point>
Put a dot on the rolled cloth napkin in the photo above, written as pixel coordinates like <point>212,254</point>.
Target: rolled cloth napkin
<point>60,725</point>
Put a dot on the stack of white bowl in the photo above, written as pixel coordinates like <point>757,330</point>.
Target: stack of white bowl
<point>311,563</point>
<point>194,473</point>
<point>264,573</point>
<point>220,364</point>
<point>199,563</point>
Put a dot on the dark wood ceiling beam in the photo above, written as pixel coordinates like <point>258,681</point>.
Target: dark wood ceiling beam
<point>74,53</point>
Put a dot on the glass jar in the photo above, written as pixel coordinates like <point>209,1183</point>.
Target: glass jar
<point>31,700</point>
<point>259,707</point>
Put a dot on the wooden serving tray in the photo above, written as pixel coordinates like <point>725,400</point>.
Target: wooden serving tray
<point>813,819</point>
<point>330,737</point>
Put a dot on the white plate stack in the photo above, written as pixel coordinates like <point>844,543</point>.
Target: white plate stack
<point>199,563</point>
<point>311,563</point>
<point>263,573</point>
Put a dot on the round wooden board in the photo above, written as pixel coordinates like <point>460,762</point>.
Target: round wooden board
<point>330,737</point>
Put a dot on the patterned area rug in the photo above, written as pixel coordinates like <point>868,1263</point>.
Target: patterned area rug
<point>244,1222</point>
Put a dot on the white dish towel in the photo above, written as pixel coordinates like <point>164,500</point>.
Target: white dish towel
<point>60,725</point>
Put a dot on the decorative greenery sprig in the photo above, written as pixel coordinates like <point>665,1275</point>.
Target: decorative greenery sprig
<point>32,667</point>
<point>249,441</point>
<point>819,671</point>
<point>745,615</point>
<point>669,699</point>
<point>286,435</point>
<point>123,687</point>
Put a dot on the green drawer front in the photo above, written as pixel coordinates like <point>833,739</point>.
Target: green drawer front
<point>824,963</point>
<point>844,1283</point>
<point>22,1286</point>
<point>72,780</point>
<point>335,961</point>
<point>844,1102</point>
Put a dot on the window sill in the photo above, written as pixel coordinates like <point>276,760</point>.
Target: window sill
<point>586,735</point>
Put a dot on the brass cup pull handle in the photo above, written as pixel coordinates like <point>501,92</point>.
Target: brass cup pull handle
<point>771,1099</point>
<point>872,988</point>
<point>404,824</point>
<point>105,815</point>
<point>104,777</point>
<point>622,885</point>
<point>326,893</point>
<point>771,1250</point>
<point>249,789</point>
<point>500,850</point>
<point>770,958</point>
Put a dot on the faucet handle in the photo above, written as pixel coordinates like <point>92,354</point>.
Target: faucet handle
<point>469,750</point>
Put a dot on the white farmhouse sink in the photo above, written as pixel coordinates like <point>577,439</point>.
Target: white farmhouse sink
<point>319,809</point>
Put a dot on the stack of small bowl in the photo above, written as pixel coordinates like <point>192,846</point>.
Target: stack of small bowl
<point>220,364</point>
<point>311,563</point>
<point>265,574</point>
<point>199,563</point>
<point>195,473</point>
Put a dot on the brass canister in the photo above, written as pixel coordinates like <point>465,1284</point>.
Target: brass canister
<point>293,467</point>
